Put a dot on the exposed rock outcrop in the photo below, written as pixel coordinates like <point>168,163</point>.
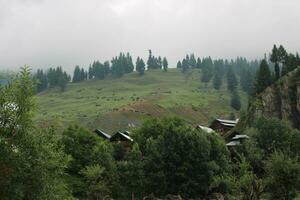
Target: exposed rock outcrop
<point>280,100</point>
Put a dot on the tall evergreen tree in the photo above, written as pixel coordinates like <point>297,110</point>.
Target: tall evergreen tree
<point>140,66</point>
<point>179,65</point>
<point>129,67</point>
<point>42,80</point>
<point>160,62</point>
<point>165,64</point>
<point>185,66</point>
<point>91,73</point>
<point>192,61</point>
<point>207,70</point>
<point>263,77</point>
<point>231,79</point>
<point>76,75</point>
<point>275,58</point>
<point>199,63</point>
<point>218,73</point>
<point>235,100</point>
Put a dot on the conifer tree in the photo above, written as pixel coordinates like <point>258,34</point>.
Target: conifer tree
<point>165,64</point>
<point>42,81</point>
<point>199,63</point>
<point>150,62</point>
<point>179,66</point>
<point>107,67</point>
<point>275,58</point>
<point>235,100</point>
<point>91,73</point>
<point>207,70</point>
<point>263,77</point>
<point>185,66</point>
<point>218,73</point>
<point>160,63</point>
<point>140,66</point>
<point>192,61</point>
<point>231,79</point>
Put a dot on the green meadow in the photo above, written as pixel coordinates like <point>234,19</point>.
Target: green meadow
<point>122,103</point>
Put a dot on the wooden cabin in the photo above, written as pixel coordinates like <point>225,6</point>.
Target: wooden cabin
<point>121,137</point>
<point>223,126</point>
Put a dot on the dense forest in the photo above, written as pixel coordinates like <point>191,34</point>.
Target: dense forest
<point>168,156</point>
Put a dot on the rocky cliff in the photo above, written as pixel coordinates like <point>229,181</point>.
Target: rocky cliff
<point>280,100</point>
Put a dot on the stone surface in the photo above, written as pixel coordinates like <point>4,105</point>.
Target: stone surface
<point>280,100</point>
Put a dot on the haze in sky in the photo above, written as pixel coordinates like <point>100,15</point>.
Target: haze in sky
<point>48,33</point>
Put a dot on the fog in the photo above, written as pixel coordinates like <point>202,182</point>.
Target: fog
<point>46,33</point>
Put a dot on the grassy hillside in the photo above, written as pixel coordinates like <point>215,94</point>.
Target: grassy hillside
<point>115,104</point>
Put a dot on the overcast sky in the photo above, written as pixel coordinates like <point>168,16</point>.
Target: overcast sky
<point>44,33</point>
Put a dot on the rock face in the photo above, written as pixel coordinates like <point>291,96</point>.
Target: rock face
<point>280,100</point>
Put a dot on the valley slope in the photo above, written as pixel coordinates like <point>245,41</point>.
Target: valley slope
<point>118,104</point>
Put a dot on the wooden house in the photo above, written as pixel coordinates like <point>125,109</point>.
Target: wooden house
<point>123,139</point>
<point>223,126</point>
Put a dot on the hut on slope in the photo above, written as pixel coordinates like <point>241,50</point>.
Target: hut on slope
<point>222,126</point>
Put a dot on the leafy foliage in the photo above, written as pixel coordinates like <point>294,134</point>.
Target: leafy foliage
<point>179,160</point>
<point>32,162</point>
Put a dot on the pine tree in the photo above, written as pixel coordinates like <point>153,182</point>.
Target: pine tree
<point>199,63</point>
<point>107,67</point>
<point>218,73</point>
<point>235,100</point>
<point>76,74</point>
<point>185,66</point>
<point>129,67</point>
<point>263,77</point>
<point>192,61</point>
<point>231,79</point>
<point>207,70</point>
<point>179,65</point>
<point>91,73</point>
<point>150,62</point>
<point>42,81</point>
<point>160,63</point>
<point>275,58</point>
<point>165,64</point>
<point>140,66</point>
<point>282,54</point>
<point>98,70</point>
<point>82,74</point>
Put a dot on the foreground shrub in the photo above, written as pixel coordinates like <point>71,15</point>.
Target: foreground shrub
<point>178,159</point>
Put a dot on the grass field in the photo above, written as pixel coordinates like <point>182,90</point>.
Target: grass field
<point>116,104</point>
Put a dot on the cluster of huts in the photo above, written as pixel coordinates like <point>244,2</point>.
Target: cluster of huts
<point>121,137</point>
<point>219,126</point>
<point>222,126</point>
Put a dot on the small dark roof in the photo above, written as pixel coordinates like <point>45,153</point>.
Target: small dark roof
<point>102,134</point>
<point>126,132</point>
<point>228,123</point>
<point>239,137</point>
<point>224,121</point>
<point>233,143</point>
<point>205,129</point>
<point>119,136</point>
